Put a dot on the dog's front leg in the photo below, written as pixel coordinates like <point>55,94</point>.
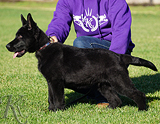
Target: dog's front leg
<point>50,98</point>
<point>56,95</point>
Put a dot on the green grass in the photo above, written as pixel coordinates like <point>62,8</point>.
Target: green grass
<point>20,76</point>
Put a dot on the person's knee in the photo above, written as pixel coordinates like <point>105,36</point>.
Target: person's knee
<point>79,42</point>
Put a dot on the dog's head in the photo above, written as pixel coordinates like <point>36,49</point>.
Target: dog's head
<point>26,37</point>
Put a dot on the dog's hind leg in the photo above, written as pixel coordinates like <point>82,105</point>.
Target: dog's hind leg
<point>106,90</point>
<point>56,96</point>
<point>123,85</point>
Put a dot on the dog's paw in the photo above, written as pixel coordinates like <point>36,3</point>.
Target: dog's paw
<point>110,107</point>
<point>52,109</point>
<point>142,108</point>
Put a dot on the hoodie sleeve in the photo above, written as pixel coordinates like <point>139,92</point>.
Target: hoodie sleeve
<point>61,22</point>
<point>120,17</point>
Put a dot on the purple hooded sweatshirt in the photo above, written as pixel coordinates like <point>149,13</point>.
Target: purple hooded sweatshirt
<point>104,19</point>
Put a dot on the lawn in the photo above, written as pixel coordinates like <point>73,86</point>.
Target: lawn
<point>24,92</point>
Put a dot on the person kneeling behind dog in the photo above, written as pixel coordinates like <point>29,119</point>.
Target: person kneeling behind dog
<point>98,24</point>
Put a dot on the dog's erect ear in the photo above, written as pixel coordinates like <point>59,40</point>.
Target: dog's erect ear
<point>31,23</point>
<point>23,20</point>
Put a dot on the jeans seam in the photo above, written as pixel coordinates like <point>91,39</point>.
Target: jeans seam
<point>99,45</point>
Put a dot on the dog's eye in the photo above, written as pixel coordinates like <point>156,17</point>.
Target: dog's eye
<point>20,36</point>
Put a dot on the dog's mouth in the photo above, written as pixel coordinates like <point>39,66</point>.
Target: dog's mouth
<point>19,54</point>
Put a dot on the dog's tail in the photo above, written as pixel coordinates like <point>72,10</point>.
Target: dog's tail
<point>127,59</point>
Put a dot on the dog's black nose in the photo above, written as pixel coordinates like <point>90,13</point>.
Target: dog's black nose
<point>8,46</point>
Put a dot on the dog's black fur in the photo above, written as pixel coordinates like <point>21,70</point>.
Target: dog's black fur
<point>66,66</point>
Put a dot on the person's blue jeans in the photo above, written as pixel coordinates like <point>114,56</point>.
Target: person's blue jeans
<point>91,42</point>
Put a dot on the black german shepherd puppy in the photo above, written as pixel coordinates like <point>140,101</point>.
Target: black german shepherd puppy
<point>79,69</point>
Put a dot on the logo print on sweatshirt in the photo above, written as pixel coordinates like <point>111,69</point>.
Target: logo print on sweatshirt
<point>89,22</point>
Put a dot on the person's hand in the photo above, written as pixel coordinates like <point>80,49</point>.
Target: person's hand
<point>54,39</point>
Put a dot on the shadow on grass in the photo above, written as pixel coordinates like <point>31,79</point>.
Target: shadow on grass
<point>146,84</point>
